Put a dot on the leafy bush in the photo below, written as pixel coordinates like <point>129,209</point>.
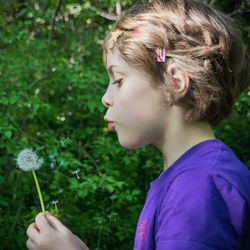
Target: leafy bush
<point>52,81</point>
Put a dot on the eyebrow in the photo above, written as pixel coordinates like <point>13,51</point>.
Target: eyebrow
<point>111,67</point>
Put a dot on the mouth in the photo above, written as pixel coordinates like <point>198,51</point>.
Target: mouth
<point>111,124</point>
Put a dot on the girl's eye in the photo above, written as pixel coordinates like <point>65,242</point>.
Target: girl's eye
<point>119,81</point>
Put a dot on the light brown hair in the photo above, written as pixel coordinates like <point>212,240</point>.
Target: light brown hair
<point>204,42</point>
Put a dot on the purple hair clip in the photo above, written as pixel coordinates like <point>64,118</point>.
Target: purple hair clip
<point>161,54</point>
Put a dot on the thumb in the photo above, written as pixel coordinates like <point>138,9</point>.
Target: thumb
<point>55,223</point>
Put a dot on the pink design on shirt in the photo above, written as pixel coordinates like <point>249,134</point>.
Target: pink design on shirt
<point>143,231</point>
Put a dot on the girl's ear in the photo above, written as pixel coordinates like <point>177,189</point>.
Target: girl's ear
<point>179,82</point>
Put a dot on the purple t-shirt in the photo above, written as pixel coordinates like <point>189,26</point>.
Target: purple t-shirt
<point>201,202</point>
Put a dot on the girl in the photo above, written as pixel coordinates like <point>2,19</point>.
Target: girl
<point>176,67</point>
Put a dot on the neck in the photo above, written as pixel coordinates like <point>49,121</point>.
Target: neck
<point>180,135</point>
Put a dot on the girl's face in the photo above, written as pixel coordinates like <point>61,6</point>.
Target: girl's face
<point>136,109</point>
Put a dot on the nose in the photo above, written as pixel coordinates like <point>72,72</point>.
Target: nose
<point>107,100</point>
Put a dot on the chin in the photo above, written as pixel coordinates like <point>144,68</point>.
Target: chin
<point>131,144</point>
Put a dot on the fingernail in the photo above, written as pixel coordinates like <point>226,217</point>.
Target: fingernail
<point>48,213</point>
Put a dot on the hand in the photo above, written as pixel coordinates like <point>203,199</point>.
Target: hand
<point>48,233</point>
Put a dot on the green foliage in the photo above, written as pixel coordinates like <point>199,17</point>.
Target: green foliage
<point>52,81</point>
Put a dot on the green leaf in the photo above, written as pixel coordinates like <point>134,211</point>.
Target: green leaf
<point>8,134</point>
<point>2,179</point>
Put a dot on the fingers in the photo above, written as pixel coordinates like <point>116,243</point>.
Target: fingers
<point>32,231</point>
<point>42,222</point>
<point>55,223</point>
<point>30,245</point>
<point>80,243</point>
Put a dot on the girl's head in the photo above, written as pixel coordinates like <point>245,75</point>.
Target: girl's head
<point>202,42</point>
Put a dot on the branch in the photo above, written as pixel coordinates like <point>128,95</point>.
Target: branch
<point>52,23</point>
<point>118,7</point>
<point>240,10</point>
<point>17,215</point>
<point>211,3</point>
<point>20,129</point>
<point>104,14</point>
<point>7,172</point>
<point>39,80</point>
<point>93,160</point>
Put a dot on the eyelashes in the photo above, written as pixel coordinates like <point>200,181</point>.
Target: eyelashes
<point>119,81</point>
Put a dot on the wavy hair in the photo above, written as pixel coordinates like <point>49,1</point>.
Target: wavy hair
<point>204,42</point>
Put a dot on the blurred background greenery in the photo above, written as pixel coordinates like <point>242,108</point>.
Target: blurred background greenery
<point>52,80</point>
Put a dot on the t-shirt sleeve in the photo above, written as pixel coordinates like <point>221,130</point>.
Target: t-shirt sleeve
<point>201,211</point>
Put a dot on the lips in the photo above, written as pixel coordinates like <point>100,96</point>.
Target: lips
<point>111,124</point>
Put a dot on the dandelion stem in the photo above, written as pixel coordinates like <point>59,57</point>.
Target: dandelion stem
<point>39,191</point>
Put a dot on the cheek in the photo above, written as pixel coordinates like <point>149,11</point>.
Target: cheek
<point>137,109</point>
<point>125,105</point>
<point>138,121</point>
<point>131,112</point>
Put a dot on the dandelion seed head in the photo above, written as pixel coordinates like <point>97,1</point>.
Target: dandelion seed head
<point>27,159</point>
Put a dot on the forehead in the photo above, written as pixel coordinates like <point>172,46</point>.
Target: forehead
<point>114,61</point>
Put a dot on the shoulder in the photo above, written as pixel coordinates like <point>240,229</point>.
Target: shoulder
<point>217,171</point>
<point>206,201</point>
<point>225,184</point>
<point>203,207</point>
